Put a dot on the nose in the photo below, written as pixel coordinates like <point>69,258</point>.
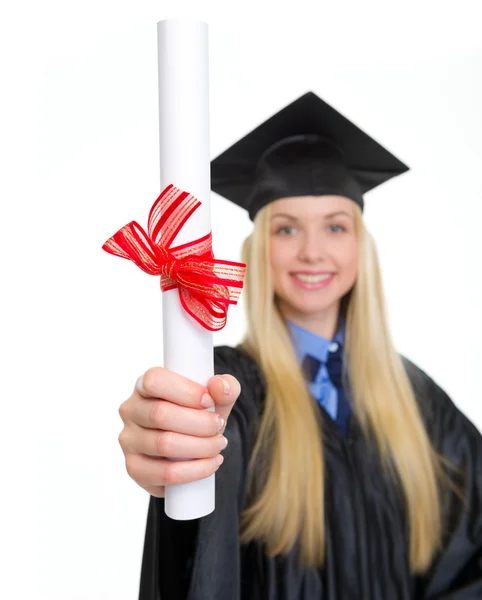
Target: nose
<point>311,248</point>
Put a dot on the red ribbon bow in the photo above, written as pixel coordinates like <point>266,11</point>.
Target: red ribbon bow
<point>206,286</point>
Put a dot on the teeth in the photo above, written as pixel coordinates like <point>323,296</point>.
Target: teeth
<point>312,278</point>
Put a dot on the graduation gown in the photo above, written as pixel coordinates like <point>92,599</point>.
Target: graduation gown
<point>366,541</point>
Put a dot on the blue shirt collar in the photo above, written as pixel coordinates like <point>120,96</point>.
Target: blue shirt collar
<point>307,342</point>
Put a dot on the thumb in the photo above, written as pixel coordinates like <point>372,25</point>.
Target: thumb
<point>224,390</point>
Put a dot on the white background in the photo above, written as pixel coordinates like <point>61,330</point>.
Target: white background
<point>79,159</point>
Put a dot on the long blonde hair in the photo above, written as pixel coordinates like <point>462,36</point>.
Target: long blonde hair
<point>296,470</point>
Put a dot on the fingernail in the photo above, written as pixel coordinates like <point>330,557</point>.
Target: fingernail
<point>218,460</point>
<point>221,422</point>
<point>226,386</point>
<point>223,442</point>
<point>139,386</point>
<point>206,401</point>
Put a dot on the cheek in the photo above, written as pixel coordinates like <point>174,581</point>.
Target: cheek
<point>279,256</point>
<point>348,258</point>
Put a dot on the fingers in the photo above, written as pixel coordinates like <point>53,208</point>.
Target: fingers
<point>162,383</point>
<point>169,444</point>
<point>158,382</point>
<point>160,414</point>
<point>163,420</point>
<point>151,472</point>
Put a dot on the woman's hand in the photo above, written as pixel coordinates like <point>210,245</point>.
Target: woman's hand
<point>165,418</point>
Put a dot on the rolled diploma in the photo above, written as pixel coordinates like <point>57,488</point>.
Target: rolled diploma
<point>183,59</point>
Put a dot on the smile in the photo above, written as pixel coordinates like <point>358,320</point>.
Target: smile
<point>312,278</point>
<point>312,281</point>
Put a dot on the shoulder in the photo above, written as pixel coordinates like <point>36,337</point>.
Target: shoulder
<point>452,433</point>
<point>233,355</point>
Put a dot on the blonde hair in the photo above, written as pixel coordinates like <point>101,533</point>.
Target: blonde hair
<point>295,470</point>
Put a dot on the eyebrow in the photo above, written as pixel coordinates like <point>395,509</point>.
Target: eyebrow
<point>340,212</point>
<point>328,216</point>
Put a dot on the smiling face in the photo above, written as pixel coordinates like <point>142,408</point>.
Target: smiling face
<point>314,257</point>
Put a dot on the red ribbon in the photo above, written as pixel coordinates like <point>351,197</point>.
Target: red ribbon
<point>206,286</point>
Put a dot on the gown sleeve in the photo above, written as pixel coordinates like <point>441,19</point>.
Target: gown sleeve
<point>457,571</point>
<point>201,558</point>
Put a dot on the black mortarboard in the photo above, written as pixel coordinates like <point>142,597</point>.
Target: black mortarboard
<point>306,149</point>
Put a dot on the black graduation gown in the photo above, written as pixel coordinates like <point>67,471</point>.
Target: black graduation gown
<point>366,543</point>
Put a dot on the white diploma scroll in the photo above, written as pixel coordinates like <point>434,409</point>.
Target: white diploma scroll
<point>183,59</point>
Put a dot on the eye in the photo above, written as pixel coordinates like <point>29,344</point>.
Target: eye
<point>337,228</point>
<point>285,230</point>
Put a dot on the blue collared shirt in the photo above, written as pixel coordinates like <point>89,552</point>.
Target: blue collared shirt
<point>305,342</point>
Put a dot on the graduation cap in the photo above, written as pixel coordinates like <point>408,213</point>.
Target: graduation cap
<point>306,149</point>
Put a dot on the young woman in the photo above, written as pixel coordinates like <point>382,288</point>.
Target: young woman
<point>349,473</point>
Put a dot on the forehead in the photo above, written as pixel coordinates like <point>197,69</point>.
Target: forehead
<point>311,206</point>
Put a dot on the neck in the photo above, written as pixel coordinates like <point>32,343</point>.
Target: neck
<point>324,324</point>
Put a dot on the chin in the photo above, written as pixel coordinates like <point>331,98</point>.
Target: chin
<point>312,304</point>
<point>311,309</point>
